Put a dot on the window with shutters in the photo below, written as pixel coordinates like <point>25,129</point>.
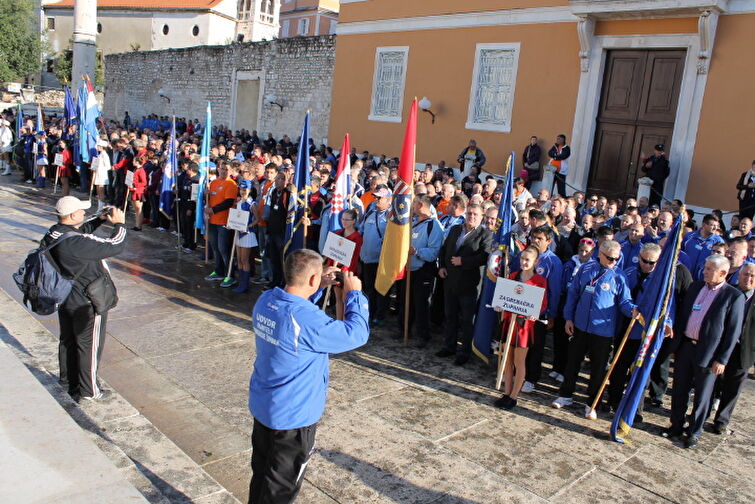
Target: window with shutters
<point>388,84</point>
<point>284,28</point>
<point>493,80</point>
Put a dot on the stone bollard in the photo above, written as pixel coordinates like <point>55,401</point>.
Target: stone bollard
<point>547,180</point>
<point>643,187</point>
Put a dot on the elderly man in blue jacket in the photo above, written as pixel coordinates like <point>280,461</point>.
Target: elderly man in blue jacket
<point>591,312</point>
<point>289,384</point>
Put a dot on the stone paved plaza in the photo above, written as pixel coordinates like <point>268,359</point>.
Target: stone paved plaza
<point>401,425</point>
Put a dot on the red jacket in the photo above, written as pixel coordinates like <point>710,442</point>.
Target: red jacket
<point>140,182</point>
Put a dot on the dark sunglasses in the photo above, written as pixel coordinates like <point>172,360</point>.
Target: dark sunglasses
<point>649,263</point>
<point>612,259</point>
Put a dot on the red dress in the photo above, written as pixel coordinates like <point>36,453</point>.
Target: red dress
<point>356,238</point>
<point>140,185</point>
<point>66,169</point>
<point>524,334</point>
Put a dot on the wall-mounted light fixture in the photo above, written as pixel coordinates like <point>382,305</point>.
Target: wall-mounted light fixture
<point>161,94</point>
<point>425,105</point>
<point>273,100</point>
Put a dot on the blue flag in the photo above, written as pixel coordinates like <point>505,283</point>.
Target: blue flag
<point>19,122</point>
<point>169,174</point>
<point>294,238</point>
<point>204,168</point>
<point>70,109</point>
<point>40,119</point>
<point>654,304</point>
<point>81,133</point>
<point>486,316</point>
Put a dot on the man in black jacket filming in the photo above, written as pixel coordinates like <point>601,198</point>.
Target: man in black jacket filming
<point>84,313</point>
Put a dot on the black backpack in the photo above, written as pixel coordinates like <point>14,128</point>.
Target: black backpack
<point>44,287</point>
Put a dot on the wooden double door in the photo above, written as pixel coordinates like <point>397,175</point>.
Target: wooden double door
<point>637,110</point>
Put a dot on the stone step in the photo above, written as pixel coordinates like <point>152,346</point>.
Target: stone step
<point>159,469</point>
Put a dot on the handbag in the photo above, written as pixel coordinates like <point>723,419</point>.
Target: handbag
<point>102,294</point>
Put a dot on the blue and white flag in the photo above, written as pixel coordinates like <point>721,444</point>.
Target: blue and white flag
<point>169,174</point>
<point>497,262</point>
<point>204,169</point>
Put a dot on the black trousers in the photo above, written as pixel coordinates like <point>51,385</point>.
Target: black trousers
<point>82,335</point>
<point>274,251</point>
<point>279,460</point>
<point>378,302</point>
<point>656,193</point>
<point>560,345</point>
<point>422,283</point>
<point>187,213</point>
<point>620,374</point>
<point>659,375</point>
<point>534,361</point>
<point>559,181</point>
<point>599,348</point>
<point>28,166</point>
<point>729,385</point>
<point>460,311</point>
<point>689,376</point>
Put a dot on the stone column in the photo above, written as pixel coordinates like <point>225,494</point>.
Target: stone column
<point>84,41</point>
<point>643,187</point>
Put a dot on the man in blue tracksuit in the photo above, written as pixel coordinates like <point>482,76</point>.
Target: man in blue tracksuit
<point>372,226</point>
<point>591,313</point>
<point>289,385</point>
<point>548,266</point>
<point>697,244</point>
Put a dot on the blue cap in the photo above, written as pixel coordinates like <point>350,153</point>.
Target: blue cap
<point>245,184</point>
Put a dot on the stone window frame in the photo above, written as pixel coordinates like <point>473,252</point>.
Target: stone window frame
<point>379,88</point>
<point>302,22</point>
<point>499,124</point>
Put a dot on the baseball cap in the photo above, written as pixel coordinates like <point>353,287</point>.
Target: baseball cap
<point>245,184</point>
<point>382,191</point>
<point>69,204</point>
<point>660,147</point>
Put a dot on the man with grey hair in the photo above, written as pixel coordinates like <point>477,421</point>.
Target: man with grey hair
<point>289,384</point>
<point>707,328</point>
<point>729,385</point>
<point>593,301</point>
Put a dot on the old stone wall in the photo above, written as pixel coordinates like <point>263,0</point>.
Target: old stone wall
<point>297,71</point>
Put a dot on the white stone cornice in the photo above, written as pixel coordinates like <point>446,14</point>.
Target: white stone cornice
<point>629,9</point>
<point>585,31</point>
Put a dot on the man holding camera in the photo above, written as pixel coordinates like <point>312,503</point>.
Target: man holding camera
<point>83,315</point>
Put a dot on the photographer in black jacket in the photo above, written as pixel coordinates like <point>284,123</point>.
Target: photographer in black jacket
<point>84,314</point>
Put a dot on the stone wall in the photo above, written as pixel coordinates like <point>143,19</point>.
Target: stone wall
<point>298,71</point>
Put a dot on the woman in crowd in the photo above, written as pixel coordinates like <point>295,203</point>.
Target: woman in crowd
<point>100,167</point>
<point>246,243</point>
<point>138,192</point>
<point>349,231</point>
<point>41,158</point>
<point>524,330</point>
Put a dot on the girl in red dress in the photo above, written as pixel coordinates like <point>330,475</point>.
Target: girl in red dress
<point>138,192</point>
<point>524,332</point>
<point>349,231</point>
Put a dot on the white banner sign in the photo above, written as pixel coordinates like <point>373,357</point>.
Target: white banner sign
<point>517,297</point>
<point>58,159</point>
<point>339,249</point>
<point>194,192</point>
<point>129,179</point>
<point>238,220</point>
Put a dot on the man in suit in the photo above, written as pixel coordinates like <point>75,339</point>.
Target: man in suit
<point>463,253</point>
<point>707,328</point>
<point>729,385</point>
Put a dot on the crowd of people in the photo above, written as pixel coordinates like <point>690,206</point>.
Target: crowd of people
<point>592,254</point>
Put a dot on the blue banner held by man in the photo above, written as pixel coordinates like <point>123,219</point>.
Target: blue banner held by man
<point>486,316</point>
<point>204,169</point>
<point>294,238</point>
<point>653,304</point>
<point>169,174</point>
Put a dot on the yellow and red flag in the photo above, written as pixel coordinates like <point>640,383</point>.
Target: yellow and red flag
<point>395,251</point>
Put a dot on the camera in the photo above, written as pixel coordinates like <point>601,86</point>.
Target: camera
<point>339,278</point>
<point>105,212</point>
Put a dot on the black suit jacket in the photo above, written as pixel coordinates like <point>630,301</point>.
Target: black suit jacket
<point>474,254</point>
<point>720,328</point>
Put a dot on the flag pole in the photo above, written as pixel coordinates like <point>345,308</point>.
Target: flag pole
<point>57,174</point>
<point>327,291</point>
<point>177,200</point>
<point>233,251</point>
<point>503,353</point>
<point>613,365</point>
<point>125,203</point>
<point>407,292</point>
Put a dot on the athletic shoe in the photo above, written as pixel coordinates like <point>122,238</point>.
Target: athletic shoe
<point>553,374</point>
<point>214,277</point>
<point>560,378</point>
<point>590,413</point>
<point>560,402</point>
<point>528,387</point>
<point>174,233</point>
<point>161,229</point>
<point>259,280</point>
<point>186,250</point>
<point>101,396</point>
<point>228,282</point>
<point>30,181</point>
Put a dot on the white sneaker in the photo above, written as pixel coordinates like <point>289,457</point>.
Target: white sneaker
<point>161,229</point>
<point>174,233</point>
<point>559,378</point>
<point>560,402</point>
<point>528,387</point>
<point>590,413</point>
<point>553,374</point>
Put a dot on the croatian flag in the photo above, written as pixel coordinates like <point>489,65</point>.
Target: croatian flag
<point>90,120</point>
<point>341,200</point>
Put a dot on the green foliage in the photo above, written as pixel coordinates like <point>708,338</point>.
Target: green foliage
<point>64,66</point>
<point>20,44</point>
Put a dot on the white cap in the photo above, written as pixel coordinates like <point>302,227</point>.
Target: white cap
<point>4,122</point>
<point>102,143</point>
<point>69,204</point>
